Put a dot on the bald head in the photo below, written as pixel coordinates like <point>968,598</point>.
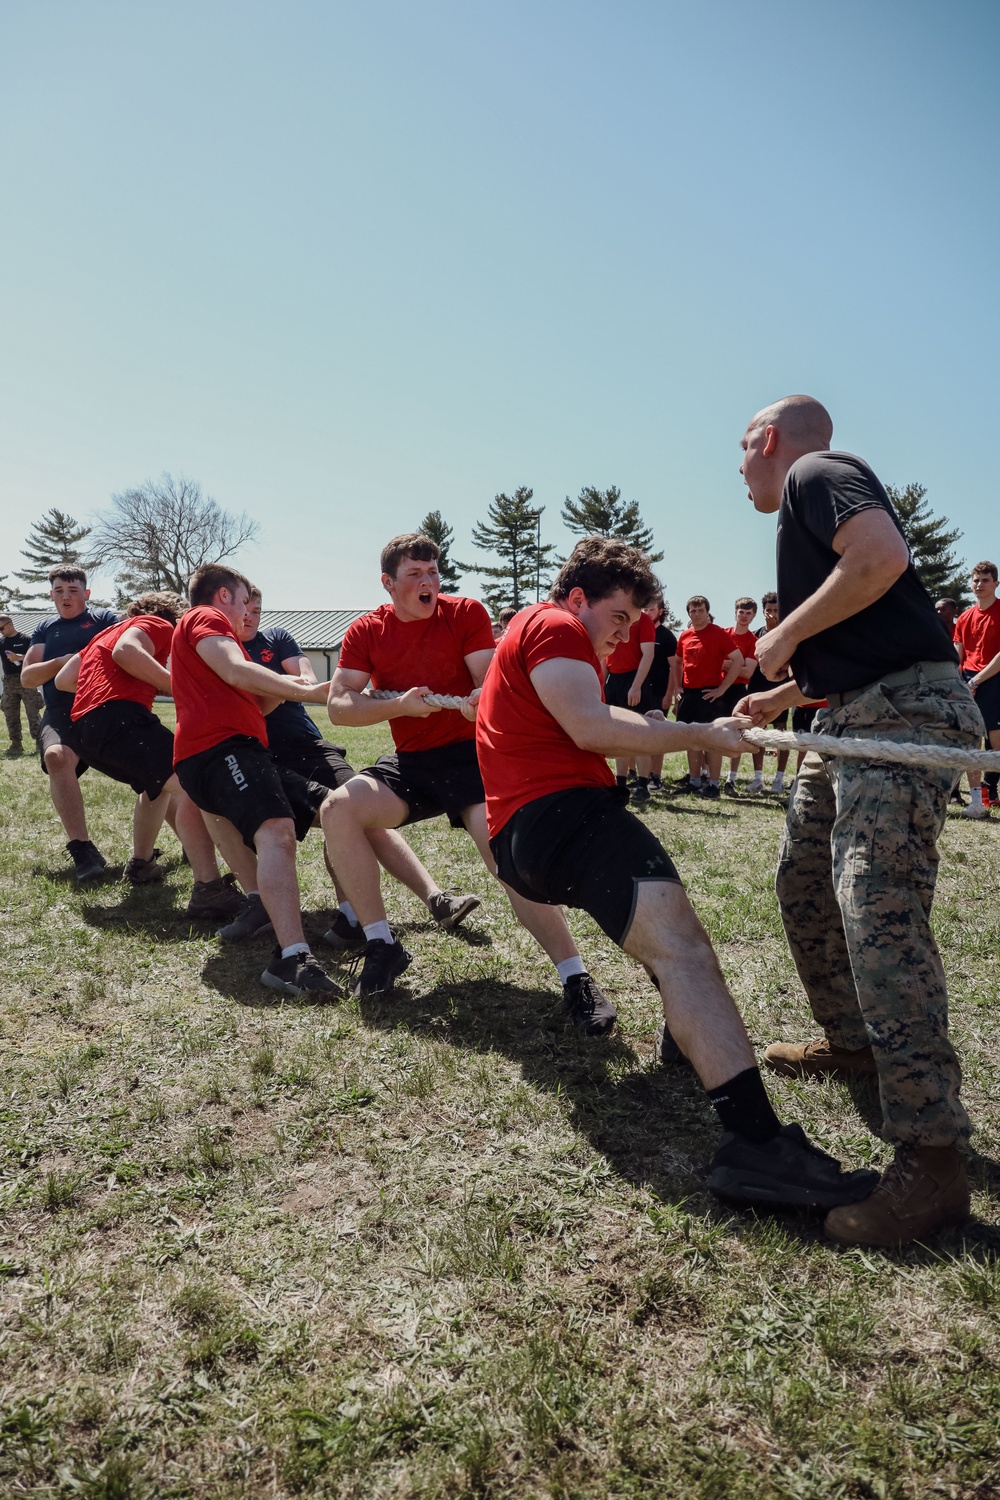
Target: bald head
<point>802,421</point>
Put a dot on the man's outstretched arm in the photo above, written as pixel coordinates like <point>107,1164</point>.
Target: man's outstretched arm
<point>347,704</point>
<point>571,692</point>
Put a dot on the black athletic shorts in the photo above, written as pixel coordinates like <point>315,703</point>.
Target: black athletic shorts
<point>694,708</point>
<point>239,779</point>
<point>987,696</point>
<point>432,782</point>
<point>727,703</point>
<point>52,732</point>
<point>126,742</point>
<point>802,718</point>
<point>320,762</point>
<point>616,686</point>
<point>582,848</point>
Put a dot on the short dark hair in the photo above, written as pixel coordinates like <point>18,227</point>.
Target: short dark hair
<point>697,599</point>
<point>166,605</point>
<point>602,564</point>
<point>254,593</point>
<point>206,581</point>
<point>985,567</point>
<point>413,544</point>
<point>67,573</point>
<point>745,602</point>
<point>769,598</point>
<point>506,615</point>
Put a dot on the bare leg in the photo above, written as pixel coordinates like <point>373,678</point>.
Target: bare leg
<point>229,842</point>
<point>621,765</point>
<point>276,878</point>
<point>64,789</point>
<point>196,841</point>
<point>547,924</point>
<point>642,765</point>
<point>347,815</point>
<point>398,860</point>
<point>714,763</point>
<point>147,820</point>
<point>667,938</point>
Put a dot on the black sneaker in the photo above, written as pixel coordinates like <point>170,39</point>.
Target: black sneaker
<point>640,792</point>
<point>252,919</point>
<point>88,859</point>
<point>143,871</point>
<point>384,962</point>
<point>956,796</point>
<point>344,935</point>
<point>588,1005</point>
<point>656,783</point>
<point>298,974</point>
<point>731,789</point>
<point>710,791</point>
<point>787,1171</point>
<point>666,1051</point>
<point>449,909</point>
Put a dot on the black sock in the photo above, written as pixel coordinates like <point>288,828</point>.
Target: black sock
<point>992,779</point>
<point>743,1106</point>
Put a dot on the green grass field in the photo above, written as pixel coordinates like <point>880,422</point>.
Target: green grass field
<point>438,1245</point>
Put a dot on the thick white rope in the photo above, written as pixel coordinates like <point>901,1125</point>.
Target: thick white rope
<point>878,750</point>
<point>937,756</point>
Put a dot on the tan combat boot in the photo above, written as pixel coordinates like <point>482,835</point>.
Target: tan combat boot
<point>817,1059</point>
<point>922,1190</point>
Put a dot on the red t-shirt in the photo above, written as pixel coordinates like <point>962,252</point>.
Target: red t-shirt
<point>102,680</point>
<point>628,654</point>
<point>978,632</point>
<point>746,645</point>
<point>703,655</point>
<point>399,654</point>
<point>524,753</point>
<point>208,709</point>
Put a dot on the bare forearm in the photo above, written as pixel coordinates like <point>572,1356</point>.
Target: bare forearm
<point>139,663</point>
<point>260,680</point>
<point>985,673</point>
<point>357,709</point>
<point>620,732</point>
<point>42,671</point>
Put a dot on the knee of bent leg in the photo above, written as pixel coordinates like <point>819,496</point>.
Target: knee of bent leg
<point>278,835</point>
<point>59,759</point>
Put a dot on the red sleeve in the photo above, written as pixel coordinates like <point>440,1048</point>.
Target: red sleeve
<point>160,633</point>
<point>201,624</point>
<point>960,624</point>
<point>475,628</point>
<point>355,649</point>
<point>647,628</point>
<point>547,639</point>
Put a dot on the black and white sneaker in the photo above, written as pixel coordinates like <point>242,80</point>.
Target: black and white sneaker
<point>252,919</point>
<point>589,1007</point>
<point>87,858</point>
<point>344,935</point>
<point>143,871</point>
<point>449,909</point>
<point>384,962</point>
<point>298,974</point>
<point>787,1171</point>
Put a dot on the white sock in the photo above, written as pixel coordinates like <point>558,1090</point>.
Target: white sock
<point>758,776</point>
<point>696,781</point>
<point>294,948</point>
<point>731,778</point>
<point>779,777</point>
<point>569,967</point>
<point>378,930</point>
<point>253,893</point>
<point>713,783</point>
<point>349,913</point>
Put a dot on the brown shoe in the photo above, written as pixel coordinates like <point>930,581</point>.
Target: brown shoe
<point>143,871</point>
<point>213,899</point>
<point>817,1059</point>
<point>922,1190</point>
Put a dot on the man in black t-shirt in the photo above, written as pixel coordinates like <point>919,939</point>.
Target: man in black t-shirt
<point>859,629</point>
<point>13,649</point>
<point>296,743</point>
<point>53,643</point>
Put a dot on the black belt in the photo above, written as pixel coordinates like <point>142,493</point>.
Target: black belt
<point>920,672</point>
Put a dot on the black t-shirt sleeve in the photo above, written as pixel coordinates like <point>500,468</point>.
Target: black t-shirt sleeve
<point>283,644</point>
<point>668,641</point>
<point>822,508</point>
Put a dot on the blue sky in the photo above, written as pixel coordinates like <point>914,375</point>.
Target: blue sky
<point>345,263</point>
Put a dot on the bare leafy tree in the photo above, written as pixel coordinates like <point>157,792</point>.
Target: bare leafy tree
<point>159,532</point>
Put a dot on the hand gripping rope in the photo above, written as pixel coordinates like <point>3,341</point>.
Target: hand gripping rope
<point>889,751</point>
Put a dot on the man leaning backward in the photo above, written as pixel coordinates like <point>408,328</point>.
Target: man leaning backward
<point>859,855</point>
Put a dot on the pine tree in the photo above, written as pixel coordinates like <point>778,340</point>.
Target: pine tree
<point>930,541</point>
<point>435,526</point>
<point>603,513</point>
<point>512,533</point>
<point>55,539</point>
<point>10,595</point>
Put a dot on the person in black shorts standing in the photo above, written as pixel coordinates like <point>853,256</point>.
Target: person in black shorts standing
<point>627,685</point>
<point>53,642</point>
<point>759,684</point>
<point>560,832</point>
<point>113,729</point>
<point>13,649</point>
<point>661,676</point>
<point>296,743</point>
<point>424,641</point>
<point>709,662</point>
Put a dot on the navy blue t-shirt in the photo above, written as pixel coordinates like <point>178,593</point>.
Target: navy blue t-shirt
<point>822,491</point>
<point>289,727</point>
<point>62,637</point>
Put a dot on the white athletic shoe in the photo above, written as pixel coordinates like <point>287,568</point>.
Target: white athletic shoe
<point>975,808</point>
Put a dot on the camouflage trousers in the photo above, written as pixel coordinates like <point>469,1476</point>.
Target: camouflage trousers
<point>855,881</point>
<point>13,696</point>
